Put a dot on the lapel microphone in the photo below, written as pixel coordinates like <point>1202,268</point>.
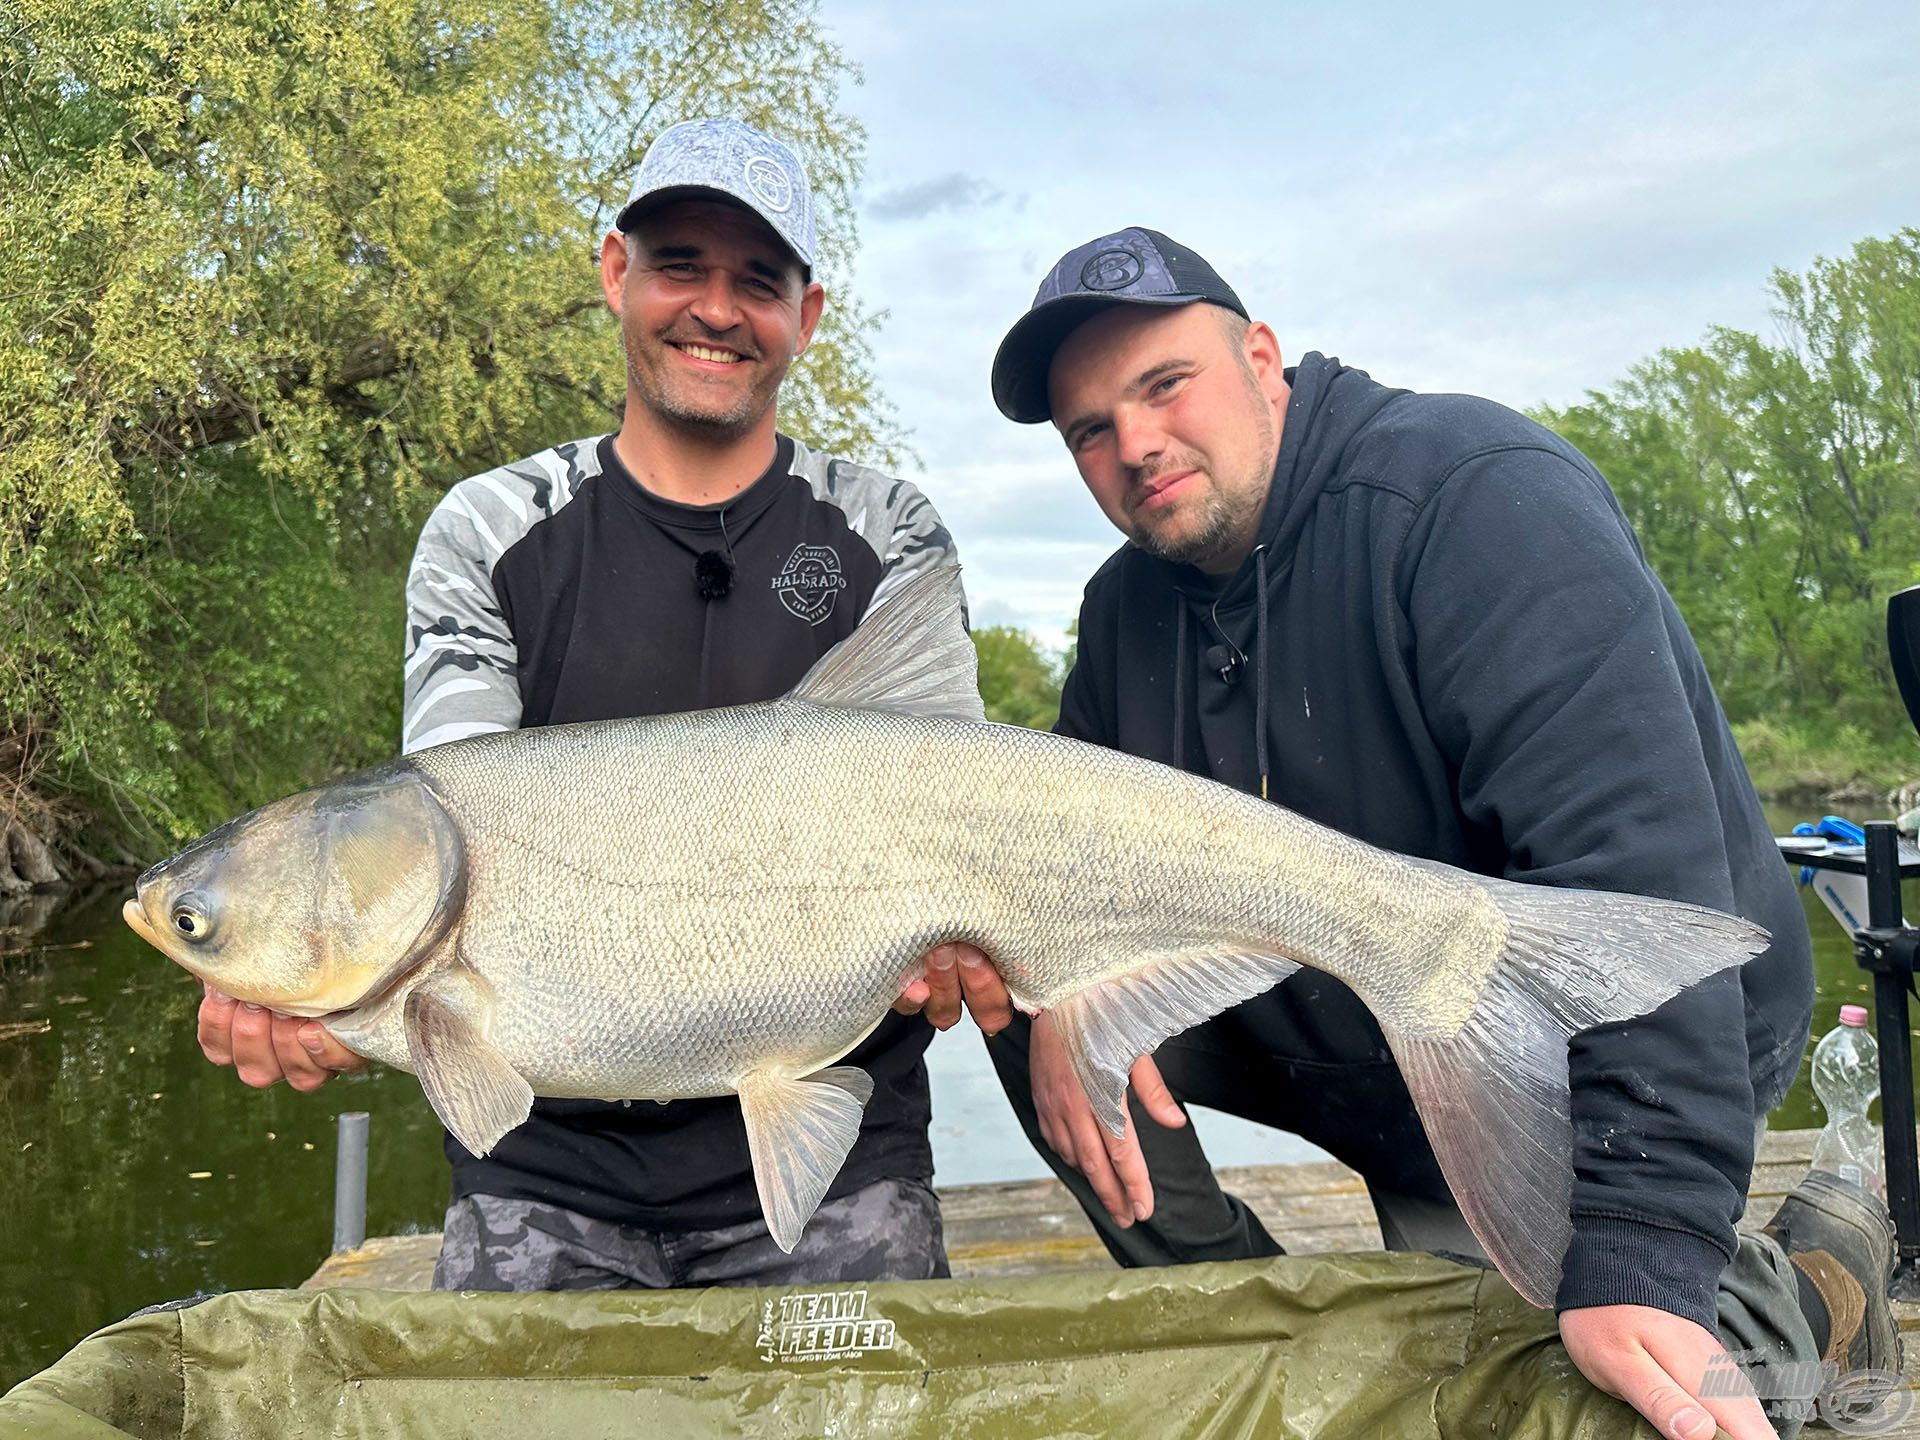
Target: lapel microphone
<point>1224,661</point>
<point>713,569</point>
<point>712,575</point>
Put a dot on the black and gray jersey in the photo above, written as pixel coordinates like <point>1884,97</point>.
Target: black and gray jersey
<point>558,589</point>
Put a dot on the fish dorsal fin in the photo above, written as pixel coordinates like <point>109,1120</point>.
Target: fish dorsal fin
<point>799,1132</point>
<point>1108,1026</point>
<point>911,654</point>
<point>476,1093</point>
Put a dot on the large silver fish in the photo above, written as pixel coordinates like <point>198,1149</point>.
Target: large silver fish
<point>727,902</point>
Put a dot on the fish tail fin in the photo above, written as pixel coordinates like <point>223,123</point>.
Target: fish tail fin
<point>1493,1095</point>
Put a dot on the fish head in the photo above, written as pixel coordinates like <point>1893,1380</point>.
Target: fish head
<point>314,903</point>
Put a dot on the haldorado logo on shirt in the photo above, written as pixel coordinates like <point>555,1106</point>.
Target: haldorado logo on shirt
<point>809,580</point>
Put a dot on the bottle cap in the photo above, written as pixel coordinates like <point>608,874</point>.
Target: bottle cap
<point>1853,1015</point>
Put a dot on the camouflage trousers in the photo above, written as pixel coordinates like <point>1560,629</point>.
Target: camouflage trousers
<point>888,1231</point>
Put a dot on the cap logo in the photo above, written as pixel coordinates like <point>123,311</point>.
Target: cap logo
<point>768,181</point>
<point>1111,270</point>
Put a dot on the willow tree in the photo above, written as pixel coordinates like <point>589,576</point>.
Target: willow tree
<point>272,274</point>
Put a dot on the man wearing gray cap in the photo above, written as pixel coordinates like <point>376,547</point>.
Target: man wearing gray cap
<point>1424,621</point>
<point>694,558</point>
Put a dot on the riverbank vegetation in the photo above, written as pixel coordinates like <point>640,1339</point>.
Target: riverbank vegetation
<point>273,276</point>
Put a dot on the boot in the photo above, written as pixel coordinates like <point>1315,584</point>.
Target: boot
<point>1839,1238</point>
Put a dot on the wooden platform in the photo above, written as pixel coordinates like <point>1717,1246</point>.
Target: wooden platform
<point>1033,1227</point>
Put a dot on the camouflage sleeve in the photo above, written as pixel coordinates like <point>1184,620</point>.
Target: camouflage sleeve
<point>462,673</point>
<point>918,542</point>
<point>891,515</point>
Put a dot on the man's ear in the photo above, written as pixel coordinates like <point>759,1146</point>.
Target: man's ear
<point>613,268</point>
<point>812,301</point>
<point>1263,354</point>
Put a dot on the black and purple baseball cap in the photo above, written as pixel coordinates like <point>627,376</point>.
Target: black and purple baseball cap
<point>1129,267</point>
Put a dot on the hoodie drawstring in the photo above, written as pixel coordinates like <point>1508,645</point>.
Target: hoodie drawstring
<point>1180,686</point>
<point>1231,659</point>
<point>1260,667</point>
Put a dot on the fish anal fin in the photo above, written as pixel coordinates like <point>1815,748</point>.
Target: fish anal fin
<point>799,1130</point>
<point>910,653</point>
<point>476,1093</point>
<point>1108,1026</point>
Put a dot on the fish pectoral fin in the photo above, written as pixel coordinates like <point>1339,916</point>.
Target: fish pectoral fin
<point>910,653</point>
<point>1108,1026</point>
<point>472,1088</point>
<point>799,1132</point>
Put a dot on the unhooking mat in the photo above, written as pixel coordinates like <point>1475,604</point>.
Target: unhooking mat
<point>1348,1345</point>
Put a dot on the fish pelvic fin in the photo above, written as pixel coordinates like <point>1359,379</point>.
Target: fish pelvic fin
<point>911,654</point>
<point>1493,1095</point>
<point>799,1131</point>
<point>1108,1026</point>
<point>476,1093</point>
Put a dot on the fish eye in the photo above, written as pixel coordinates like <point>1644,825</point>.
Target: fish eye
<point>190,920</point>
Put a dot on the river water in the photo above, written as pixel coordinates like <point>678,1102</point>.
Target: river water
<point>132,1172</point>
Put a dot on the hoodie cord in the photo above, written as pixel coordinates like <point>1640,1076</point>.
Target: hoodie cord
<point>1180,685</point>
<point>1260,667</point>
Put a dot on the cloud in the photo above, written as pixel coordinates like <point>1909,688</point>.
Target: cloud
<point>955,190</point>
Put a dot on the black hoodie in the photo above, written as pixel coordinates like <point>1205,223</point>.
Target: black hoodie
<point>1453,648</point>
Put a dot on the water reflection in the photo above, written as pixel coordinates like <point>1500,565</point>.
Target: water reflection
<point>108,1113</point>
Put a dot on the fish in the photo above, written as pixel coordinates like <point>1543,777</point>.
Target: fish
<point>727,902</point>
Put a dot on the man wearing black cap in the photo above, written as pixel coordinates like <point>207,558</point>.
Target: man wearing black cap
<point>1424,621</point>
<point>696,557</point>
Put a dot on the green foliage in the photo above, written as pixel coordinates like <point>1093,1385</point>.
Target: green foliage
<point>1776,489</point>
<point>272,275</point>
<point>1019,679</point>
<point>1815,756</point>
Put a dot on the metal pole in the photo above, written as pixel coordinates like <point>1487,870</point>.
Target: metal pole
<point>1896,1057</point>
<point>350,1183</point>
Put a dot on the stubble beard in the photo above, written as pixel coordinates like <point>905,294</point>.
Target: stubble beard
<point>1219,526</point>
<point>704,422</point>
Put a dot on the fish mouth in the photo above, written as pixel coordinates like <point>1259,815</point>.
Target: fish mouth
<point>136,917</point>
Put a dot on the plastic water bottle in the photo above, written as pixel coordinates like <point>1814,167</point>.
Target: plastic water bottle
<point>1846,1077</point>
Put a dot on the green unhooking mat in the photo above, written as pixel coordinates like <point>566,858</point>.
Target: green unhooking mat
<point>1349,1345</point>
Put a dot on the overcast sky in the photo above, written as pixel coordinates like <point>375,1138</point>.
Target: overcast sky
<point>1517,201</point>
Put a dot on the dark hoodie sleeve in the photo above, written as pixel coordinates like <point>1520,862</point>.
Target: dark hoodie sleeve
<point>1549,676</point>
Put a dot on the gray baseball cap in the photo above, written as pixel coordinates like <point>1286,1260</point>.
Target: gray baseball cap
<point>727,158</point>
<point>1128,267</point>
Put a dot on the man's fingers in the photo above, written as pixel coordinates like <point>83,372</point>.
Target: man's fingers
<point>1677,1414</point>
<point>253,1057</point>
<point>330,1054</point>
<point>1152,1093</point>
<point>1658,1363</point>
<point>911,999</point>
<point>302,1070</point>
<point>1095,1162</point>
<point>984,991</point>
<point>1131,1166</point>
<point>943,987</point>
<point>216,1026</point>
